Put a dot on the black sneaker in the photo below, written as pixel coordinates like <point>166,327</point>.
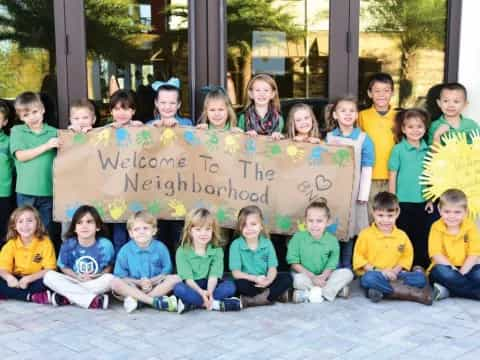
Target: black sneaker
<point>374,295</point>
<point>231,304</point>
<point>59,300</point>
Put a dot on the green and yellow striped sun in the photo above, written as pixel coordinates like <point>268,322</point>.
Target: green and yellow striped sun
<point>456,164</point>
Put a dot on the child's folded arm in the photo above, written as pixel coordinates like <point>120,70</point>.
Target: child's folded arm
<point>299,268</point>
<point>441,259</point>
<point>29,154</point>
<point>469,263</point>
<point>239,275</point>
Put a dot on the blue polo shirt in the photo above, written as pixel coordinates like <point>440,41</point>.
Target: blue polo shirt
<point>181,121</point>
<point>368,152</point>
<point>407,161</point>
<point>86,260</point>
<point>137,263</point>
<point>253,262</point>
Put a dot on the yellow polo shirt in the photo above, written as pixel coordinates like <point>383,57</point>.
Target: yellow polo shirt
<point>21,260</point>
<point>379,128</point>
<point>455,247</point>
<point>383,251</point>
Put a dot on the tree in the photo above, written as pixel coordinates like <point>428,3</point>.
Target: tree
<point>418,24</point>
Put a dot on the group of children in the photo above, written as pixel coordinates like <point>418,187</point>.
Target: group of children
<point>389,148</point>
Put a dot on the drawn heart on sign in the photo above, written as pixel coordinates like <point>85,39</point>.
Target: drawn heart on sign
<point>322,183</point>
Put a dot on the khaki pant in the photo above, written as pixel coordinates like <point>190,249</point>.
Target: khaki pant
<point>336,282</point>
<point>78,292</point>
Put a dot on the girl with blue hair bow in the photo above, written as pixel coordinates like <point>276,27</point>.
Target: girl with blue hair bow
<point>167,104</point>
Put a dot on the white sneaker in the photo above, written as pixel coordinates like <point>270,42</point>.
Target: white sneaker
<point>440,292</point>
<point>345,292</point>
<point>316,295</point>
<point>130,304</point>
<point>300,296</point>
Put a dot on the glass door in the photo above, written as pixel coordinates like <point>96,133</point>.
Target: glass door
<point>288,39</point>
<point>136,43</point>
<point>27,52</point>
<point>407,39</point>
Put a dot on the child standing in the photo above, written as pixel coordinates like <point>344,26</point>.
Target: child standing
<point>82,116</point>
<point>33,145</point>
<point>313,256</point>
<point>217,112</point>
<point>454,247</point>
<point>143,268</point>
<point>262,114</point>
<point>6,172</point>
<point>168,101</point>
<point>26,257</point>
<point>452,101</point>
<point>86,261</point>
<point>377,122</point>
<point>253,262</point>
<point>342,119</point>
<point>122,107</point>
<point>383,257</point>
<point>302,124</point>
<point>406,167</point>
<point>200,265</point>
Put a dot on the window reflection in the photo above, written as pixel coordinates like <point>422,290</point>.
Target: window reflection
<point>405,38</point>
<point>136,43</point>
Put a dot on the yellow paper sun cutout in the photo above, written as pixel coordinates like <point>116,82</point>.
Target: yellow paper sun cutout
<point>455,165</point>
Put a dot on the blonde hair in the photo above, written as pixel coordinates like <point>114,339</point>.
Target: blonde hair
<point>292,132</point>
<point>218,94</point>
<point>200,217</point>
<point>453,197</point>
<point>12,232</point>
<point>270,81</point>
<point>242,219</point>
<point>82,104</point>
<point>144,216</point>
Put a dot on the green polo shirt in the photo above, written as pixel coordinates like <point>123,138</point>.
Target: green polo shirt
<point>6,166</point>
<point>253,262</point>
<point>466,125</point>
<point>191,266</point>
<point>407,161</point>
<point>34,177</point>
<point>315,255</point>
<point>242,123</point>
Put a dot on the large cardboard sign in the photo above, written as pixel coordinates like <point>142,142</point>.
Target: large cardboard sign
<point>169,171</point>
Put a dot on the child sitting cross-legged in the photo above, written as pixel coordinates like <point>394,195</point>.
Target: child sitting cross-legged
<point>143,266</point>
<point>454,247</point>
<point>314,255</point>
<point>383,257</point>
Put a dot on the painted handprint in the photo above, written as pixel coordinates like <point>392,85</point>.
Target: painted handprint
<point>332,228</point>
<point>191,138</point>
<point>295,153</point>
<point>71,210</point>
<point>144,138</point>
<point>273,150</point>
<point>154,207</point>
<point>223,214</point>
<point>341,157</point>
<point>168,136</point>
<point>80,138</point>
<point>301,226</point>
<point>135,206</point>
<point>283,222</point>
<point>117,208</point>
<point>178,208</point>
<point>231,144</point>
<point>100,208</point>
<point>122,137</point>
<point>212,141</point>
<point>315,158</point>
<point>250,146</point>
<point>103,137</point>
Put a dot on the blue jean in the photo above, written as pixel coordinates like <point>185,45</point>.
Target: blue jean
<point>21,294</point>
<point>43,204</point>
<point>346,254</point>
<point>376,280</point>
<point>120,236</point>
<point>188,295</point>
<point>466,286</point>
